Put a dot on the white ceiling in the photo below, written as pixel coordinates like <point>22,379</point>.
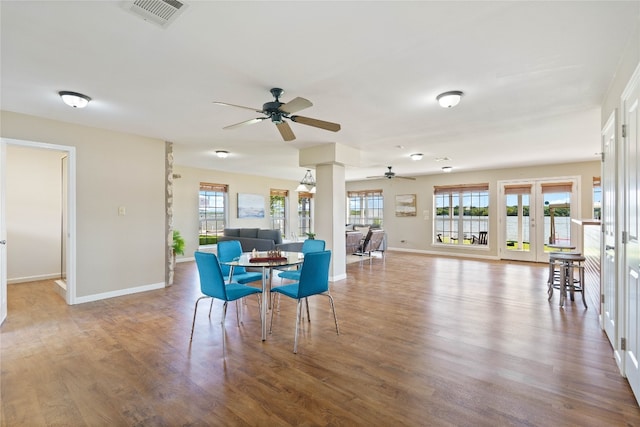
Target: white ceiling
<point>533,73</point>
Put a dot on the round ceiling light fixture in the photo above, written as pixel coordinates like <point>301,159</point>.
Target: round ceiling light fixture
<point>74,99</point>
<point>449,99</point>
<point>222,154</point>
<point>447,169</point>
<point>416,156</point>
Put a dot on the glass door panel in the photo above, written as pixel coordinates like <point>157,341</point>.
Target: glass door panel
<point>536,216</point>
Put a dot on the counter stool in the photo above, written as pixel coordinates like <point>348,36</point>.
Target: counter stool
<point>567,263</point>
<point>555,267</point>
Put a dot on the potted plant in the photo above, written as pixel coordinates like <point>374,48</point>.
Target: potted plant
<point>178,243</point>
<point>311,236</point>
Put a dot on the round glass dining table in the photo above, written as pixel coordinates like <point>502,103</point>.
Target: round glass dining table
<point>267,261</point>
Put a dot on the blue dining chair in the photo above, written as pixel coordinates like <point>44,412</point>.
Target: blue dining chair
<point>212,285</point>
<point>314,280</point>
<point>228,250</point>
<point>308,246</point>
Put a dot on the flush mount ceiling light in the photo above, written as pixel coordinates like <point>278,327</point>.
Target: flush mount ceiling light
<point>74,99</point>
<point>449,99</point>
<point>447,169</point>
<point>222,154</point>
<point>416,156</point>
<point>307,183</point>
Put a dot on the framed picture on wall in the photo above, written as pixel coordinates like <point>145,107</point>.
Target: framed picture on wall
<point>405,205</point>
<point>250,206</point>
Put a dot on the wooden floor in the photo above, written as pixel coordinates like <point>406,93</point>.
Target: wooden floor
<point>424,341</point>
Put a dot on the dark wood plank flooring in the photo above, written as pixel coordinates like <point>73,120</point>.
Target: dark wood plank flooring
<point>424,341</point>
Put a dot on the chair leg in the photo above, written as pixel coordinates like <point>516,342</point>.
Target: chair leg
<point>210,308</point>
<point>260,310</point>
<point>239,311</point>
<point>224,313</point>
<point>295,338</point>
<point>306,301</point>
<point>271,321</point>
<point>195,310</point>
<point>333,308</point>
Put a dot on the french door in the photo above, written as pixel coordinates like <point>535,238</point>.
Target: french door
<point>534,215</point>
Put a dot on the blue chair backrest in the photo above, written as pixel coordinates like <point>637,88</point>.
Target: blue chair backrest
<point>312,245</point>
<point>314,275</point>
<point>211,280</point>
<point>227,251</point>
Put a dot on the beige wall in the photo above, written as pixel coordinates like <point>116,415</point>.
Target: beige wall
<point>114,253</point>
<point>185,196</point>
<point>417,232</point>
<point>33,213</point>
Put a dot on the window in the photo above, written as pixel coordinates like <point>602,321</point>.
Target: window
<point>278,202</point>
<point>461,213</point>
<point>365,207</point>
<point>597,198</point>
<point>213,212</point>
<point>304,213</point>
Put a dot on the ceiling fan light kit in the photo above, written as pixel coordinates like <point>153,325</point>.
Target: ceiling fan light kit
<point>74,99</point>
<point>449,99</point>
<point>277,112</point>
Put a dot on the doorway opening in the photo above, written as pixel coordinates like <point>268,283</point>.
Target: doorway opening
<point>67,247</point>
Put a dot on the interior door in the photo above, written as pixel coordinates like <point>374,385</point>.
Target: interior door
<point>3,235</point>
<point>609,214</point>
<point>536,214</point>
<point>631,268</point>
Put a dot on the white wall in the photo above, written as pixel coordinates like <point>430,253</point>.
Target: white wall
<point>417,232</point>
<point>185,198</point>
<point>33,213</point>
<point>114,253</point>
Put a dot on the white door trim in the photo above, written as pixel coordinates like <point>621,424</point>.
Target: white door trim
<point>71,209</point>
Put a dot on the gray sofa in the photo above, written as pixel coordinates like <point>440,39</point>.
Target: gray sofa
<point>254,238</point>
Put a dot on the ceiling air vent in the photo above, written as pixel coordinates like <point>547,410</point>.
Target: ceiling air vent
<point>160,12</point>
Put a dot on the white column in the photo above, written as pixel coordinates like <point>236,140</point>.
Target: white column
<point>330,198</point>
<point>330,215</point>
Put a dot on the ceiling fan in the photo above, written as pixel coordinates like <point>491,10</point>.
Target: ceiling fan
<point>388,174</point>
<point>277,111</point>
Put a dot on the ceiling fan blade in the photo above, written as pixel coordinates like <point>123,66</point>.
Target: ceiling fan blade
<point>334,127</point>
<point>246,122</point>
<point>376,177</point>
<point>405,177</point>
<point>224,104</point>
<point>296,104</point>
<point>285,131</point>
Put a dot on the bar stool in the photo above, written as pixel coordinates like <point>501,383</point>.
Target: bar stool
<point>567,263</point>
<point>555,267</point>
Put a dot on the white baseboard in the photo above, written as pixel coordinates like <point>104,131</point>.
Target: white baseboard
<point>33,278</point>
<point>119,293</point>
<point>450,254</point>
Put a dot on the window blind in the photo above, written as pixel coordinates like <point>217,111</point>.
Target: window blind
<point>557,187</point>
<point>219,188</point>
<point>462,188</point>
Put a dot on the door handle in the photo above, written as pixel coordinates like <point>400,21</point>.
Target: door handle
<point>609,248</point>
<point>3,242</point>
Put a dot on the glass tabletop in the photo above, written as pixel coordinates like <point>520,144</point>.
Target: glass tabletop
<point>285,258</point>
